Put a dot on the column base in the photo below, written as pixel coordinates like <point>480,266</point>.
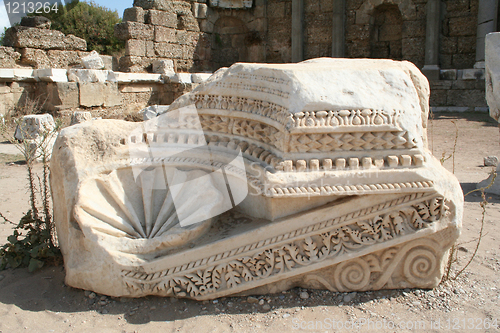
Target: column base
<point>431,72</point>
<point>480,64</point>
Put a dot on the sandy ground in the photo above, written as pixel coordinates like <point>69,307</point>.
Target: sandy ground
<point>41,302</point>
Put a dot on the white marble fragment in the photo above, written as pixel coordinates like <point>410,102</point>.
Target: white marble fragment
<point>38,134</point>
<point>52,75</point>
<point>314,174</point>
<point>153,111</point>
<point>93,61</point>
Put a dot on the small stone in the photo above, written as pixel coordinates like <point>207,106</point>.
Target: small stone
<point>103,298</point>
<point>204,312</point>
<point>103,302</point>
<point>304,295</point>
<point>215,301</point>
<point>87,293</point>
<point>286,315</point>
<point>491,161</point>
<point>252,300</point>
<point>92,295</point>
<point>266,307</point>
<point>261,302</point>
<point>349,297</point>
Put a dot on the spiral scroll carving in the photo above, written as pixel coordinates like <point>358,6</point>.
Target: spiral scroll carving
<point>352,275</point>
<point>420,265</point>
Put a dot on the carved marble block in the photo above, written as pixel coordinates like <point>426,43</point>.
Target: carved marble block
<point>265,177</point>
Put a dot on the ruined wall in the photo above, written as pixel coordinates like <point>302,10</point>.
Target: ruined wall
<point>395,29</point>
<point>34,44</point>
<point>196,37</point>
<point>279,34</point>
<point>318,21</point>
<point>458,38</point>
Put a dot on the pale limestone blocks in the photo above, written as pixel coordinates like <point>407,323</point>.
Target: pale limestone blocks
<point>263,178</point>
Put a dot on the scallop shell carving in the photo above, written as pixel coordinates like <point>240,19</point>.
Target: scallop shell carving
<point>140,216</point>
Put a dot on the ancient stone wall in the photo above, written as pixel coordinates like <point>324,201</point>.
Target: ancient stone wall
<point>394,29</point>
<point>279,40</point>
<point>194,36</point>
<point>34,44</point>
<point>318,23</point>
<point>62,90</point>
<point>458,37</point>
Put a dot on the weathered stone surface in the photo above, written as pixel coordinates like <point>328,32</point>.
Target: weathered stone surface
<point>492,73</point>
<point>22,37</point>
<point>134,14</point>
<point>199,10</point>
<point>135,47</point>
<point>200,77</point>
<point>36,58</point>
<point>112,96</point>
<point>135,64</point>
<point>165,67</point>
<point>38,131</point>
<point>79,117</point>
<point>36,22</point>
<point>89,75</point>
<point>167,50</point>
<point>153,111</point>
<point>64,59</point>
<point>93,61</point>
<point>161,18</point>
<point>134,30</point>
<point>8,57</point>
<point>491,161</point>
<point>110,62</point>
<point>66,95</point>
<point>91,94</point>
<point>52,75</point>
<point>327,162</point>
<point>164,34</point>
<point>492,78</point>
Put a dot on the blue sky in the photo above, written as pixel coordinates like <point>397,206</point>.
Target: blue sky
<point>118,5</point>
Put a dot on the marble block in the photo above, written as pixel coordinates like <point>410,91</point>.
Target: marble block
<point>492,73</point>
<point>263,178</point>
<point>38,133</point>
<point>492,78</point>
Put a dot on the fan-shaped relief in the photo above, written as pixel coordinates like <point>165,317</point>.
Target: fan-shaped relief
<point>161,208</point>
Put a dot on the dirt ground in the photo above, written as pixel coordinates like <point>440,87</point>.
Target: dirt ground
<point>41,302</point>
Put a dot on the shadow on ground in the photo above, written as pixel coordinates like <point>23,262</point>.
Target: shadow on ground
<point>45,290</point>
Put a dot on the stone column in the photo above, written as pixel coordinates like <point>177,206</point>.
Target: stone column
<point>338,32</point>
<point>486,23</point>
<point>297,30</point>
<point>431,67</point>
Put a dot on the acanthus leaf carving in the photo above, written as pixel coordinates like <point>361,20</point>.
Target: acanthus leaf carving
<point>311,249</point>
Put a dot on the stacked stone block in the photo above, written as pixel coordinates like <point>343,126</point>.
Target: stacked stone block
<point>458,39</point>
<point>192,35</point>
<point>360,30</point>
<point>40,47</point>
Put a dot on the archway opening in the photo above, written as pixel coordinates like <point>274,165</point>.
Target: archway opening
<point>229,44</point>
<point>386,28</point>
